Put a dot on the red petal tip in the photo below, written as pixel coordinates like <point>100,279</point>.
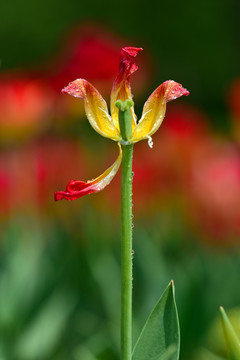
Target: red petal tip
<point>67,89</point>
<point>185,92</point>
<point>131,51</point>
<point>175,90</point>
<point>127,64</point>
<point>74,88</point>
<point>75,190</point>
<point>58,196</point>
<point>64,90</point>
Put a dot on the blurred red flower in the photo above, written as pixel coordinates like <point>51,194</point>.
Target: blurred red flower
<point>183,130</point>
<point>91,52</point>
<point>215,190</point>
<point>163,171</point>
<point>29,173</point>
<point>30,100</point>
<point>25,105</point>
<point>55,159</point>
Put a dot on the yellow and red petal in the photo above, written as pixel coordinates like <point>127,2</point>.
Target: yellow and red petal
<point>121,89</point>
<point>77,189</point>
<point>95,108</point>
<point>155,107</point>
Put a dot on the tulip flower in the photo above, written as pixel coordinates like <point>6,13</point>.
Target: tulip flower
<point>122,126</point>
<point>108,126</point>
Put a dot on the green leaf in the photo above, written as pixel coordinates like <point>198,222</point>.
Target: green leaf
<point>160,337</point>
<point>233,343</point>
<point>169,353</point>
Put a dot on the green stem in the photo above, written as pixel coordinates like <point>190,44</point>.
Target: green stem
<point>126,215</point>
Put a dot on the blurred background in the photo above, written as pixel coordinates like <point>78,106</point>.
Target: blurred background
<point>60,262</point>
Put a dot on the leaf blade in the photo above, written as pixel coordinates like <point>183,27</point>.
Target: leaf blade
<point>161,331</point>
<point>232,341</point>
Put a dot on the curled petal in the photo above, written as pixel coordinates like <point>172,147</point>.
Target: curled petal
<point>121,87</point>
<point>155,107</point>
<point>95,107</point>
<point>77,189</point>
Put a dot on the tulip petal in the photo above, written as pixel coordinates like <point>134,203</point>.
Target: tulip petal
<point>155,107</point>
<point>77,189</point>
<point>121,89</point>
<point>95,108</point>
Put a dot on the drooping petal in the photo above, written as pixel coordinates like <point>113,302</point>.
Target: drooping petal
<point>77,189</point>
<point>155,107</point>
<point>95,107</point>
<point>121,89</point>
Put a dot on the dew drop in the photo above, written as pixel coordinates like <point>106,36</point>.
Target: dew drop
<point>150,142</point>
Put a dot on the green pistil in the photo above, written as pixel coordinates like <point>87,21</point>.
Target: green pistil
<point>125,118</point>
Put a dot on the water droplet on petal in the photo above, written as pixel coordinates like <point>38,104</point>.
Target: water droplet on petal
<point>150,142</point>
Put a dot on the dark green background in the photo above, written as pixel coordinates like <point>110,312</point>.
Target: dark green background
<point>195,42</point>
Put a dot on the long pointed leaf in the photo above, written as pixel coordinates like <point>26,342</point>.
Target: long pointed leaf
<point>233,343</point>
<point>160,337</point>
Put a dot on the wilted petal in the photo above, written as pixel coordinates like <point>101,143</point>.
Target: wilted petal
<point>77,189</point>
<point>121,87</point>
<point>95,107</point>
<point>155,108</point>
